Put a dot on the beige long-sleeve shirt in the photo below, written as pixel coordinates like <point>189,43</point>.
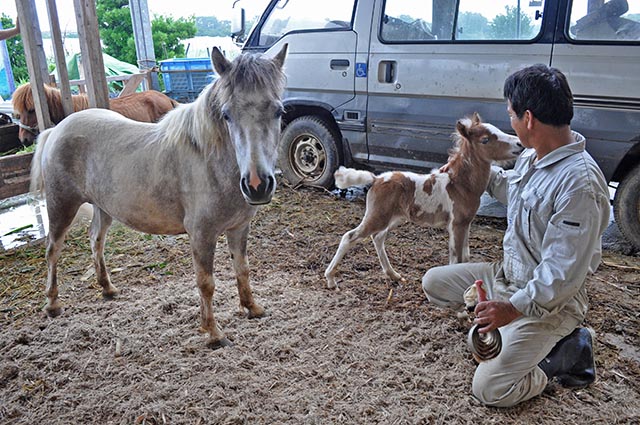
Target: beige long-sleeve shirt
<point>557,210</point>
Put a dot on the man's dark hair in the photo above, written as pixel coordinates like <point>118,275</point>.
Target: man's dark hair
<point>542,90</point>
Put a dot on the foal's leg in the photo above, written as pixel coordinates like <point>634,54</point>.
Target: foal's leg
<point>203,249</point>
<point>459,243</point>
<point>237,240</point>
<point>60,219</point>
<point>364,230</point>
<point>378,242</point>
<point>97,232</point>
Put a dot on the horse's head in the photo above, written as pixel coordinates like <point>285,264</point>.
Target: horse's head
<point>487,141</point>
<point>24,111</point>
<point>249,94</point>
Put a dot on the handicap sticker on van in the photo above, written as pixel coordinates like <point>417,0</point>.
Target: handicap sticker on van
<point>361,69</point>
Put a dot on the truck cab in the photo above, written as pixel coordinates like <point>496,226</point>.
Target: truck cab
<point>380,84</point>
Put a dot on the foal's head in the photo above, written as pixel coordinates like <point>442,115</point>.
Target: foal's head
<point>485,142</point>
<point>249,93</point>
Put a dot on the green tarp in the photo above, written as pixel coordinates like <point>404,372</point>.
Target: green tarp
<point>112,66</point>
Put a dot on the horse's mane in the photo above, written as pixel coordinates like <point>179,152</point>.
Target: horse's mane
<point>459,154</point>
<point>200,124</point>
<point>23,101</point>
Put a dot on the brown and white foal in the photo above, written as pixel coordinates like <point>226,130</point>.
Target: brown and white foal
<point>441,199</point>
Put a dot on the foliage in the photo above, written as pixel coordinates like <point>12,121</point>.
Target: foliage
<point>116,32</point>
<point>504,27</point>
<point>16,53</point>
<point>472,26</point>
<point>212,27</point>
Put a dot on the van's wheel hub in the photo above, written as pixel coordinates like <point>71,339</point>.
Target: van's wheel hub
<point>309,156</point>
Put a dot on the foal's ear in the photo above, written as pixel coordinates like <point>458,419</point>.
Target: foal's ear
<point>282,54</point>
<point>476,118</point>
<point>219,62</point>
<point>462,126</point>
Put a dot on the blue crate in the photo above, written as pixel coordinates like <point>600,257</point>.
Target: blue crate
<point>184,78</point>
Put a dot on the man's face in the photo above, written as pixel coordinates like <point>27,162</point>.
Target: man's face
<point>518,124</point>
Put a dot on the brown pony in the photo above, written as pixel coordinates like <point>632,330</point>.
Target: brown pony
<point>447,198</point>
<point>146,106</point>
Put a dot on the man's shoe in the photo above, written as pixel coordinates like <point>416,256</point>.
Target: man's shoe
<point>571,360</point>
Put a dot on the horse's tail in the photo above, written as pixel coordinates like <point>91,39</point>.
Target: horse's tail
<point>37,179</point>
<point>347,177</point>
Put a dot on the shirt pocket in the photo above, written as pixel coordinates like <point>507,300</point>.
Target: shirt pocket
<point>536,212</point>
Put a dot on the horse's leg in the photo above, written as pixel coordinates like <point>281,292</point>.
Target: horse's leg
<point>459,243</point>
<point>348,240</point>
<point>203,249</point>
<point>60,219</point>
<point>378,242</point>
<point>237,240</point>
<point>99,225</point>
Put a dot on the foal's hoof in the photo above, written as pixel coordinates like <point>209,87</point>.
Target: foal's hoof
<point>219,343</point>
<point>256,312</point>
<point>111,293</point>
<point>53,311</point>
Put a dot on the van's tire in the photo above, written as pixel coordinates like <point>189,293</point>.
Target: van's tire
<point>626,207</point>
<point>309,152</point>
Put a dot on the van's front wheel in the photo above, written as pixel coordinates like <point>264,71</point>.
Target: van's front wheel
<point>626,207</point>
<point>308,152</point>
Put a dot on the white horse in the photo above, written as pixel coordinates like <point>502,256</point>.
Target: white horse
<point>202,170</point>
<point>447,199</point>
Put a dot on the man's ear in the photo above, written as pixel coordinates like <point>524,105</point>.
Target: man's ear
<point>529,118</point>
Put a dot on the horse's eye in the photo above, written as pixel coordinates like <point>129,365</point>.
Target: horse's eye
<point>226,116</point>
<point>484,140</point>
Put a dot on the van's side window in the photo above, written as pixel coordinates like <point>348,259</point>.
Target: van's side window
<point>447,20</point>
<point>600,20</point>
<point>292,15</point>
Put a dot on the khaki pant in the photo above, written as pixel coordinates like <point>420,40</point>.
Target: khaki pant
<point>513,376</point>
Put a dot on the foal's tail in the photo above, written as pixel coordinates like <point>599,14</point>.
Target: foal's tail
<point>37,179</point>
<point>347,177</point>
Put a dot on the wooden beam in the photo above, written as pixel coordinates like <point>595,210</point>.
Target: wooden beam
<point>144,41</point>
<point>36,59</point>
<point>61,64</point>
<point>91,51</point>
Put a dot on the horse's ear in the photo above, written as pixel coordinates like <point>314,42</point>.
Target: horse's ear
<point>219,62</point>
<point>461,127</point>
<point>476,118</point>
<point>282,54</point>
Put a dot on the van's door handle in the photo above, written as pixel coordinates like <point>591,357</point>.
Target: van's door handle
<point>340,64</point>
<point>387,71</point>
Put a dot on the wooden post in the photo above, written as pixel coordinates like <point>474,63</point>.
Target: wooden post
<point>143,39</point>
<point>61,64</point>
<point>91,51</point>
<point>36,59</point>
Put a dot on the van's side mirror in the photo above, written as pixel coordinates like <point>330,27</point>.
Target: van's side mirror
<point>238,26</point>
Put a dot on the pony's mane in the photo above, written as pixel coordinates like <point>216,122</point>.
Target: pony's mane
<point>200,124</point>
<point>460,151</point>
<point>23,101</point>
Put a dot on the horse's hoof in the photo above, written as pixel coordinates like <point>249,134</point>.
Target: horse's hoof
<point>110,293</point>
<point>220,343</point>
<point>256,313</point>
<point>53,311</point>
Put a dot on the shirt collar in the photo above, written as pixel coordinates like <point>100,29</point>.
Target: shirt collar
<point>562,152</point>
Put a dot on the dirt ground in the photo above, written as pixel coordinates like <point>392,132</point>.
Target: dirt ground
<point>374,352</point>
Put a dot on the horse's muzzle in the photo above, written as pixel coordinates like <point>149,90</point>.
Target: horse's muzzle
<point>260,195</point>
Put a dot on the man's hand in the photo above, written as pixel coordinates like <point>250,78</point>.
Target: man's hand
<point>493,314</point>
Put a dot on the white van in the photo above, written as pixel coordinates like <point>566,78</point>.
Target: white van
<point>379,84</point>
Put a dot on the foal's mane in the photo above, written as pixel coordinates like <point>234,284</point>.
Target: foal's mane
<point>200,124</point>
<point>460,153</point>
<point>23,101</point>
